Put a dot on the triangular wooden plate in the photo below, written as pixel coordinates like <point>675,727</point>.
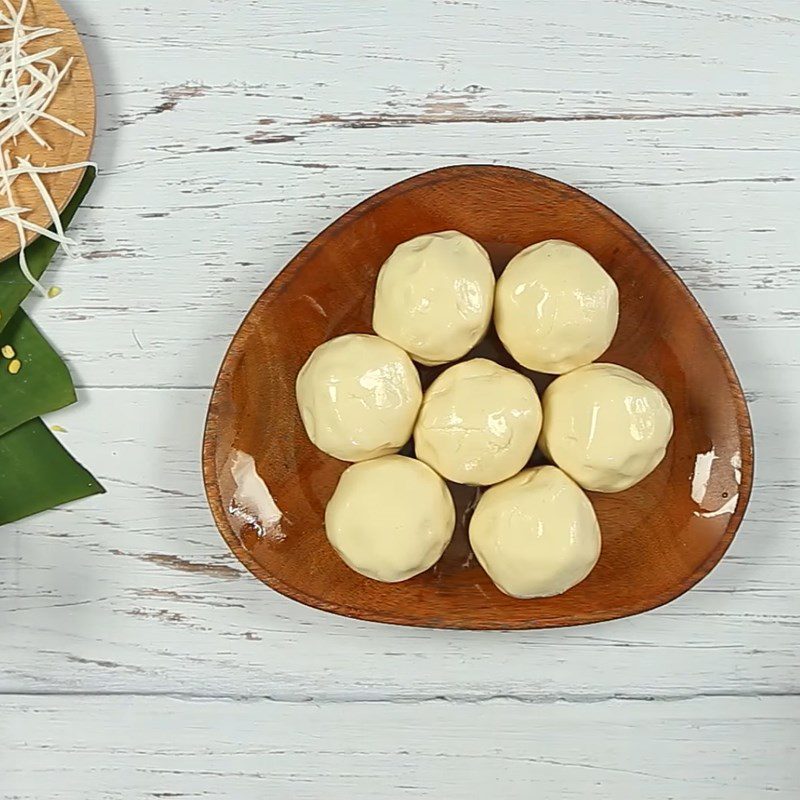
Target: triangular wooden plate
<point>658,539</point>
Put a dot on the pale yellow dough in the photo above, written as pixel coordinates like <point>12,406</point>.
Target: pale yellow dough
<point>555,308</point>
<point>434,296</point>
<point>605,426</point>
<point>358,397</point>
<point>390,518</point>
<point>478,423</point>
<point>536,535</point>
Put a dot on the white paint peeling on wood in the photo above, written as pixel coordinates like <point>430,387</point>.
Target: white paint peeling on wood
<point>230,132</point>
<point>252,501</point>
<point>705,748</point>
<point>702,475</point>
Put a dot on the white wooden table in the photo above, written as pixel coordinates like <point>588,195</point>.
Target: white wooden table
<point>139,660</point>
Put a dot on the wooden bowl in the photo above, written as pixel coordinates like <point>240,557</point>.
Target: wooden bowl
<point>659,537</point>
<point>74,103</point>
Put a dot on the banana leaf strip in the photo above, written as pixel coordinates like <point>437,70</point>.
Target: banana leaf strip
<point>43,383</point>
<point>37,473</point>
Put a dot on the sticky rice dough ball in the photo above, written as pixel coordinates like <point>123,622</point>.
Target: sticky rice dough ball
<point>358,397</point>
<point>390,518</point>
<point>434,296</point>
<point>478,423</point>
<point>606,426</point>
<point>536,535</point>
<point>556,308</point>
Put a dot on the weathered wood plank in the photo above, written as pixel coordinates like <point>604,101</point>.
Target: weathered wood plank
<point>66,748</point>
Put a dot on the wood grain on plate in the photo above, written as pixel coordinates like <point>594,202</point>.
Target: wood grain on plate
<point>74,103</point>
<point>657,541</point>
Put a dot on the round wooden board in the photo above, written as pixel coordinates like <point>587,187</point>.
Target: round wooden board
<point>74,103</point>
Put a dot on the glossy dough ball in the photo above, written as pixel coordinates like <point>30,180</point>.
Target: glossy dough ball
<point>479,423</point>
<point>390,518</point>
<point>556,308</point>
<point>358,397</point>
<point>434,296</point>
<point>605,426</point>
<point>536,535</point>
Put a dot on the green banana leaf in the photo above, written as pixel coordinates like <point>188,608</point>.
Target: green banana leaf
<point>37,473</point>
<point>42,385</point>
<point>14,286</point>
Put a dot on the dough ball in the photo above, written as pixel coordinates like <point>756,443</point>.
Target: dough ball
<point>605,426</point>
<point>434,296</point>
<point>556,308</point>
<point>479,423</point>
<point>390,518</point>
<point>536,535</point>
<point>358,397</point>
